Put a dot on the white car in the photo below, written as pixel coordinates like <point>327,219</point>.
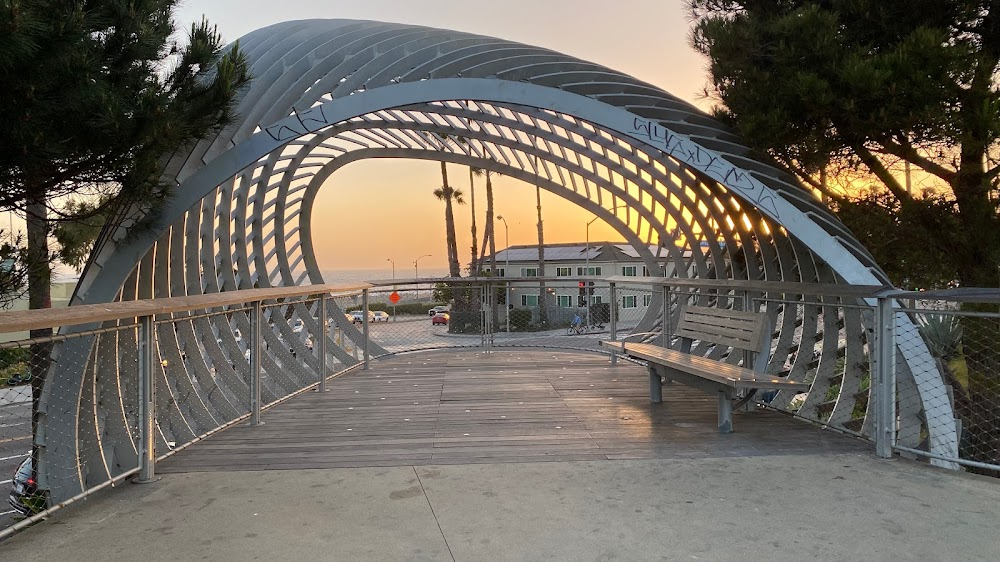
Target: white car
<point>380,316</point>
<point>358,316</point>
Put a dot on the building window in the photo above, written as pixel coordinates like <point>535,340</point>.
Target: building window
<point>501,272</point>
<point>629,301</point>
<point>564,271</point>
<point>646,299</point>
<point>592,270</point>
<point>595,299</point>
<point>564,301</point>
<point>628,270</point>
<point>645,271</point>
<point>529,300</point>
<point>529,272</point>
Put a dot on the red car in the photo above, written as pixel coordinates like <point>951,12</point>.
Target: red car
<point>440,318</point>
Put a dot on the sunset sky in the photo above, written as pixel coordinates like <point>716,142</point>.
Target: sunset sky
<point>383,209</point>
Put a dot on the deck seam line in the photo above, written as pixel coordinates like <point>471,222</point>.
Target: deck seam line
<point>426,497</point>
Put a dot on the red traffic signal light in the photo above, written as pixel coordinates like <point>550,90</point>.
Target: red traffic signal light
<point>582,284</point>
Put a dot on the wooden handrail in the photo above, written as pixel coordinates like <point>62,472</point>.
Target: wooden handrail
<point>24,320</point>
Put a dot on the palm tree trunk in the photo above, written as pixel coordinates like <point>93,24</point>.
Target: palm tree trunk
<point>493,238</point>
<point>543,313</point>
<point>39,296</point>
<point>474,266</point>
<point>454,269</point>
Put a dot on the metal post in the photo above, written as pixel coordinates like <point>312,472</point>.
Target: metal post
<point>613,320</point>
<point>256,320</point>
<point>147,406</point>
<point>322,343</point>
<point>885,395</point>
<point>586,271</point>
<point>364,305</point>
<point>506,270</point>
<point>747,354</point>
<point>665,335</point>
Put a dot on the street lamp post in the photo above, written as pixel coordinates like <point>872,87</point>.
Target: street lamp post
<point>586,269</point>
<point>416,272</point>
<point>506,269</point>
<point>393,286</point>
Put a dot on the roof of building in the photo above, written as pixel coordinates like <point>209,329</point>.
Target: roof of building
<point>574,252</point>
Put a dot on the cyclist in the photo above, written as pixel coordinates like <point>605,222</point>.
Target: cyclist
<point>576,324</point>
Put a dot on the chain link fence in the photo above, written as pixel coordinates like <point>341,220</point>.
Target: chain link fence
<point>963,338</point>
<point>25,363</point>
<point>72,404</point>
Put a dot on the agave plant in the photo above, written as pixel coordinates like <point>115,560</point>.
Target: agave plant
<point>943,334</point>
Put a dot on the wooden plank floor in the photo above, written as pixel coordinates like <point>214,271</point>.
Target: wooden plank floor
<point>457,407</point>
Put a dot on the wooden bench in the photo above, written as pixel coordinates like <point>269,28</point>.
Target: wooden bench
<point>747,331</point>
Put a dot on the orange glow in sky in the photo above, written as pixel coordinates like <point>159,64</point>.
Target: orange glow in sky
<point>374,210</point>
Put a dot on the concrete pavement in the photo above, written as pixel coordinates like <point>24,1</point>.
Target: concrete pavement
<point>790,507</point>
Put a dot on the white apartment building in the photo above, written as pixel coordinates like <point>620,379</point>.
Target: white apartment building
<point>574,261</point>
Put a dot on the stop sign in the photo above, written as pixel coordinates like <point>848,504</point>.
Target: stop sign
<point>394,297</point>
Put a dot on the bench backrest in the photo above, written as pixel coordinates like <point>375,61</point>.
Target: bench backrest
<point>749,331</point>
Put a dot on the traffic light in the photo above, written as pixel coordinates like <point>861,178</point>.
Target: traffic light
<point>583,289</point>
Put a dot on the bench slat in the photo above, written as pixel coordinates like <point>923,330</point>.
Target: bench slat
<point>729,342</point>
<point>742,324</point>
<point>747,330</point>
<point>733,328</point>
<point>725,313</point>
<point>723,373</point>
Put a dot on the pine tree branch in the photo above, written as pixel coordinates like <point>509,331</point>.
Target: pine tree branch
<point>907,152</point>
<point>812,182</point>
<point>875,165</point>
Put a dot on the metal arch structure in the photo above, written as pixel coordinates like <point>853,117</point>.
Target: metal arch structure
<point>330,92</point>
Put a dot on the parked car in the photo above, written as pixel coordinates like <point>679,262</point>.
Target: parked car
<point>380,316</point>
<point>358,316</point>
<point>440,318</point>
<point>22,486</point>
<point>297,327</point>
<point>437,309</point>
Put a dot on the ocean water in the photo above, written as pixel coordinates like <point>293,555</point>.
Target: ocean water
<point>337,276</point>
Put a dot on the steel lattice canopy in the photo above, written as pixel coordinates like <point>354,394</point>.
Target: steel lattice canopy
<point>680,188</point>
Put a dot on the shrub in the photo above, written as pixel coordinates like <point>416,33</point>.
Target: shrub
<point>520,319</point>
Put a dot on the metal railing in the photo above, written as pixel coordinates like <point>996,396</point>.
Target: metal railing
<point>960,333</point>
<point>124,385</point>
<point>127,384</point>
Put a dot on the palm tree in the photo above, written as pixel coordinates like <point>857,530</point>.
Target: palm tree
<point>543,314</point>
<point>474,172</point>
<point>488,238</point>
<point>450,195</point>
<point>488,235</point>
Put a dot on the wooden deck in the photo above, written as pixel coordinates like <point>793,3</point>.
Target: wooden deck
<point>458,407</point>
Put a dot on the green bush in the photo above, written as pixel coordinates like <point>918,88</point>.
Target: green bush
<point>464,322</point>
<point>520,319</point>
<point>13,362</point>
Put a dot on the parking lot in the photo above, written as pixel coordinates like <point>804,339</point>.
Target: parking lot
<point>15,441</point>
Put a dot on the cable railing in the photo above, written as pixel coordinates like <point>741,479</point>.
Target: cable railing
<point>124,385</point>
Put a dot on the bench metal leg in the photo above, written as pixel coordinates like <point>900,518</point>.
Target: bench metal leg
<point>725,413</point>
<point>655,386</point>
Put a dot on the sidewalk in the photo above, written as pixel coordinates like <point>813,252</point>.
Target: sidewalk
<point>791,507</point>
<point>15,394</point>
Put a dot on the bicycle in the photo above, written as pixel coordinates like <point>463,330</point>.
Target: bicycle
<point>575,329</point>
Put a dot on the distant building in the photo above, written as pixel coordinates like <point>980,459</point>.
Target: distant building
<point>574,261</point>
<point>62,292</point>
